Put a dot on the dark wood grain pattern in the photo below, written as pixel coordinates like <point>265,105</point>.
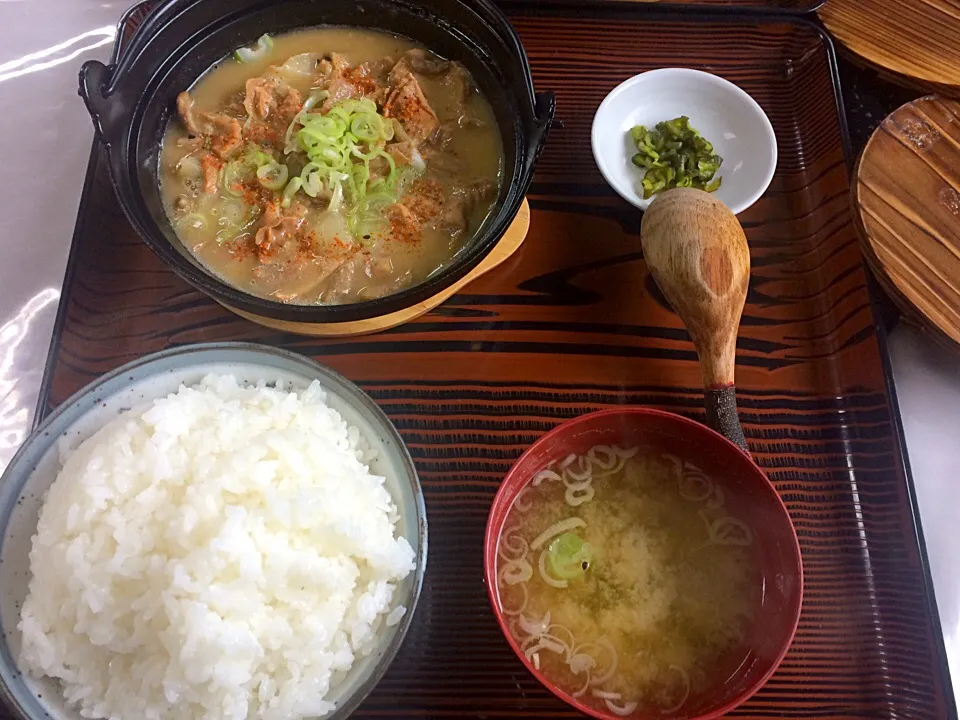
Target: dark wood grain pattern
<point>914,40</point>
<point>572,323</point>
<point>907,190</point>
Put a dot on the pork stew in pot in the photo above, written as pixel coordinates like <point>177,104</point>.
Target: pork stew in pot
<point>330,165</point>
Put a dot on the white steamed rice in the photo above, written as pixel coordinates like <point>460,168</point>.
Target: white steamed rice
<point>224,552</point>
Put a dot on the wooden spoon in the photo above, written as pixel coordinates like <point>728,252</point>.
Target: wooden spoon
<point>698,255</point>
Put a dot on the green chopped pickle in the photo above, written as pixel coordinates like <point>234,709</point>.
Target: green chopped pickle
<point>569,556</point>
<point>675,155</point>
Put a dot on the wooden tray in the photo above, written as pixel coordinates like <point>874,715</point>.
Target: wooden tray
<point>571,323</point>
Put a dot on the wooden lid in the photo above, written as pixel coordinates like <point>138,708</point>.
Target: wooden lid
<point>916,39</point>
<point>907,193</point>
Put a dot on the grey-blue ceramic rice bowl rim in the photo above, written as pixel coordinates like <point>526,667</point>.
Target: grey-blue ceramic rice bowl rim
<point>26,479</point>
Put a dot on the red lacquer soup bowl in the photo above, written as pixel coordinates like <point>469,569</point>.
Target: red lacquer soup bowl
<point>774,551</point>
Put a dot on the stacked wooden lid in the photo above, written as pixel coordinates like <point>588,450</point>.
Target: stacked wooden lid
<point>907,198</point>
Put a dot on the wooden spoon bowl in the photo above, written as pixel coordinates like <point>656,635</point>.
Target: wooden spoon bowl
<point>697,252</point>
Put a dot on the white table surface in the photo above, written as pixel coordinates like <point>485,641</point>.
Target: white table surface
<point>46,143</point>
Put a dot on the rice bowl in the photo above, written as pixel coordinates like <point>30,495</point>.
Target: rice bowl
<point>285,586</point>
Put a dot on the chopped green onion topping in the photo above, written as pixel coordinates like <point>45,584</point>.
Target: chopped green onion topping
<point>290,190</point>
<point>675,155</point>
<point>312,178</point>
<point>264,45</point>
<point>341,144</point>
<point>289,144</point>
<point>241,172</point>
<point>235,173</point>
<point>272,175</point>
<point>569,556</point>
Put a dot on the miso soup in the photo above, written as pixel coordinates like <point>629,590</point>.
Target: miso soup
<point>627,579</point>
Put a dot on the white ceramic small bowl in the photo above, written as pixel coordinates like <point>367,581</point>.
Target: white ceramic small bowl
<point>724,114</point>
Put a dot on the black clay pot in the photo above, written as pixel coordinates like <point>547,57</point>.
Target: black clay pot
<point>131,101</point>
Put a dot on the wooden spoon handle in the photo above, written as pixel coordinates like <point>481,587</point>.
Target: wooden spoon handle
<point>717,352</point>
<point>717,362</point>
<point>722,416</point>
